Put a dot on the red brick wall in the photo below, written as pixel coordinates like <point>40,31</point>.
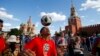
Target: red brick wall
<point>91,29</point>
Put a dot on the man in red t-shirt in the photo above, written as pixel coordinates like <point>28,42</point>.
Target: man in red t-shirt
<point>2,40</point>
<point>2,44</point>
<point>42,45</point>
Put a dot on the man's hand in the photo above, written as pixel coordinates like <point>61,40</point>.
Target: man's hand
<point>29,53</point>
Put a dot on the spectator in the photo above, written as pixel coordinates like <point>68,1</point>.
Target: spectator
<point>62,45</point>
<point>96,46</point>
<point>71,45</point>
<point>12,42</point>
<point>78,51</point>
<point>88,44</point>
<point>2,40</point>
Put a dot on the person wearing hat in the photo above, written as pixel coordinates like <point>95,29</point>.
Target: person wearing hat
<point>12,41</point>
<point>42,45</point>
<point>96,46</point>
<point>61,45</point>
<point>2,40</point>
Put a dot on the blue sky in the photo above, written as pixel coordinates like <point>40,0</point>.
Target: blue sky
<point>15,12</point>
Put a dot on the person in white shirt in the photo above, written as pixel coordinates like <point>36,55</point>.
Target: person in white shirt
<point>12,42</point>
<point>78,51</point>
<point>62,45</point>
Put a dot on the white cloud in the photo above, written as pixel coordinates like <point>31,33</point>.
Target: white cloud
<point>82,16</point>
<point>7,27</point>
<point>16,27</point>
<point>55,16</point>
<point>6,15</point>
<point>37,24</point>
<point>94,4</point>
<point>98,9</point>
<point>7,24</point>
<point>3,9</point>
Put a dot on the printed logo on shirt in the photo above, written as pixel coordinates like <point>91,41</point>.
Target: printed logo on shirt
<point>46,47</point>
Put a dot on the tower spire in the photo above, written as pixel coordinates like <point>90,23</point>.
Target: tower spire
<point>29,21</point>
<point>71,3</point>
<point>73,11</point>
<point>60,29</point>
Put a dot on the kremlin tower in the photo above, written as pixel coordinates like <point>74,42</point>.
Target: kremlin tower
<point>74,21</point>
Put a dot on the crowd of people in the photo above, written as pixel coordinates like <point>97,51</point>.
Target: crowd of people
<point>70,45</point>
<point>44,44</point>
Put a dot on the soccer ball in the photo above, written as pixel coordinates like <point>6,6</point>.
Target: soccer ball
<point>46,20</point>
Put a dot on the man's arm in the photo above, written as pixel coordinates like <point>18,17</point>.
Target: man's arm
<point>28,52</point>
<point>29,48</point>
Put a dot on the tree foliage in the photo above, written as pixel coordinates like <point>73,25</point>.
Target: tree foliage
<point>15,31</point>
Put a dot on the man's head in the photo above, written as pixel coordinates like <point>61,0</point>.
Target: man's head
<point>1,24</point>
<point>45,31</point>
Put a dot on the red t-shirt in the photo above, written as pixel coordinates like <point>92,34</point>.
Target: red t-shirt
<point>2,44</point>
<point>41,47</point>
